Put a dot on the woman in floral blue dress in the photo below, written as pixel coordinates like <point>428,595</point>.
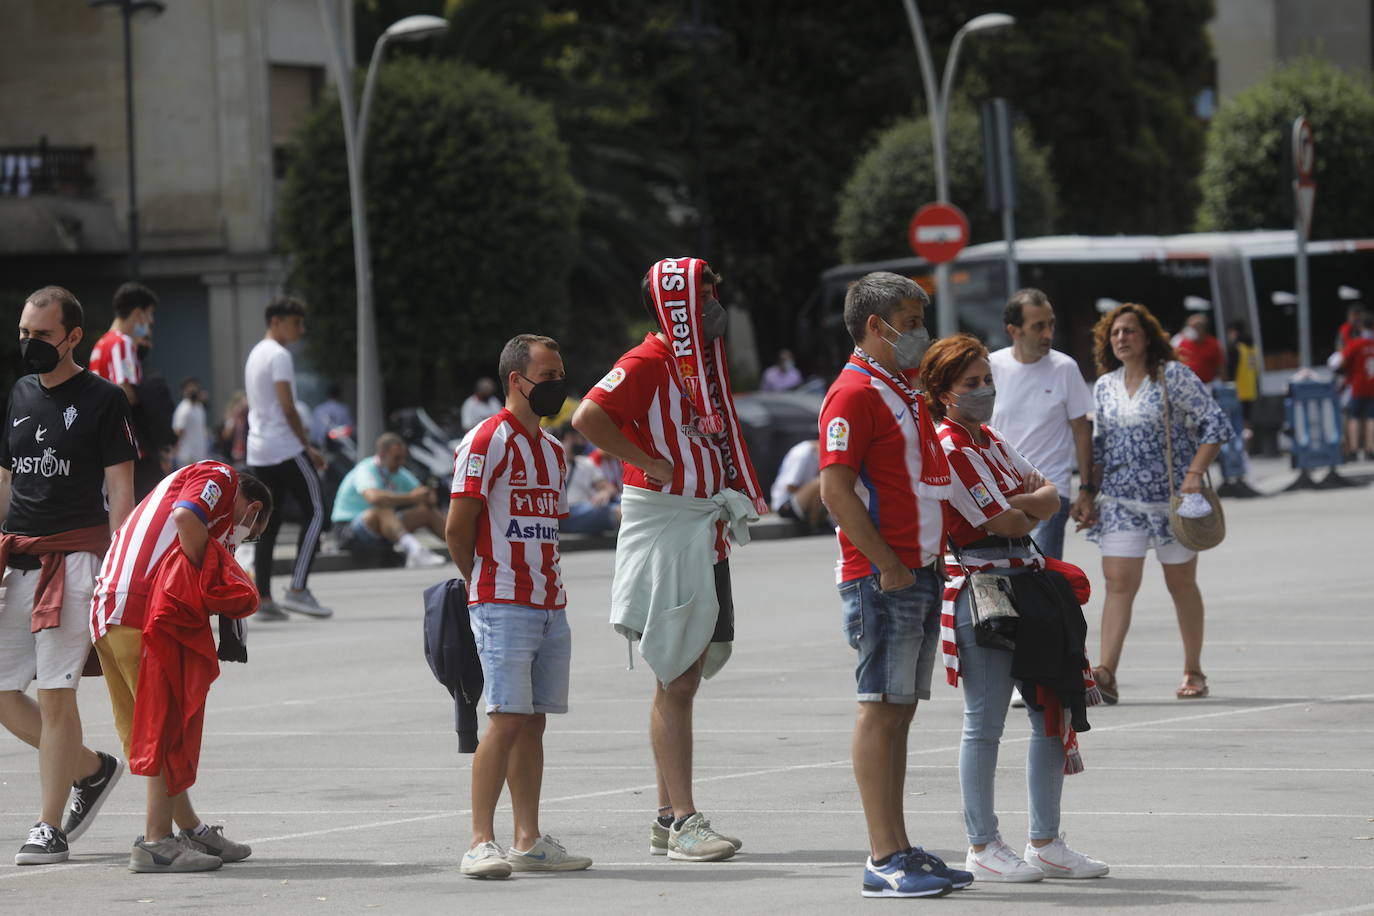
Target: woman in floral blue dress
<point>1130,514</point>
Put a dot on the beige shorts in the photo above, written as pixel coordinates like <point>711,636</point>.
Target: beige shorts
<point>120,650</point>
<point>52,657</point>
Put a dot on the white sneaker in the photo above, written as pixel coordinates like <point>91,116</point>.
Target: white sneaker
<point>485,860</point>
<point>424,559</point>
<point>1057,860</point>
<point>547,854</point>
<point>997,862</point>
<point>697,842</point>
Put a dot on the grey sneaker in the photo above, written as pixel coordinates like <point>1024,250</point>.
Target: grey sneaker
<point>269,610</point>
<point>302,602</point>
<point>658,839</point>
<point>695,841</point>
<point>167,855</point>
<point>216,843</point>
<point>485,860</point>
<point>547,854</point>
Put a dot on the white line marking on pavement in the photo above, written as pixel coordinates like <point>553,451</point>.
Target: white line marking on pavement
<point>1361,908</point>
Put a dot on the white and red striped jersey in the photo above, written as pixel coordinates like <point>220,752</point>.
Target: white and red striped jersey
<point>867,425</point>
<point>983,476</point>
<point>207,488</point>
<point>521,480</point>
<point>115,358</point>
<point>642,397</point>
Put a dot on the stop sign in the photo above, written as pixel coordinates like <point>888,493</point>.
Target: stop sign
<point>938,232</point>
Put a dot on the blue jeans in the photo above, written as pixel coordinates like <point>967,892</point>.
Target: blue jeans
<point>987,692</point>
<point>1049,534</point>
<point>526,654</point>
<point>896,635</point>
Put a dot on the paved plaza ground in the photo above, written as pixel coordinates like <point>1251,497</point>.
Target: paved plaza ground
<point>332,752</point>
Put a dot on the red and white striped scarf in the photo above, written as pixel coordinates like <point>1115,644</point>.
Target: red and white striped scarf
<point>949,649</point>
<point>935,472</point>
<point>701,369</point>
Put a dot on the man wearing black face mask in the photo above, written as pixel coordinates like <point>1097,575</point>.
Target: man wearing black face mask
<point>66,482</point>
<point>509,492</point>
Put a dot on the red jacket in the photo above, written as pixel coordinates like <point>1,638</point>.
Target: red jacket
<point>178,663</point>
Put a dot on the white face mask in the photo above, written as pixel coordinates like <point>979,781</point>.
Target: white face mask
<point>241,531</point>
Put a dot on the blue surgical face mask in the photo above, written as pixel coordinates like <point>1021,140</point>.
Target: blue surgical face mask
<point>141,330</point>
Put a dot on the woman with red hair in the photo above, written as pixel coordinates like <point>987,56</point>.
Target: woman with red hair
<point>996,499</point>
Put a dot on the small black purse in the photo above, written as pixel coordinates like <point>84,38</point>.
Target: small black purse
<point>992,606</point>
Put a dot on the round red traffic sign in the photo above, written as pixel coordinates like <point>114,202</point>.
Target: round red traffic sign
<point>938,232</point>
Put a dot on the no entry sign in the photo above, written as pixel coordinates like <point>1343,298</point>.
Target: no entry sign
<point>938,232</point>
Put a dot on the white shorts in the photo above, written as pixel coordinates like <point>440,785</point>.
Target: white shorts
<point>1135,543</point>
<point>53,657</point>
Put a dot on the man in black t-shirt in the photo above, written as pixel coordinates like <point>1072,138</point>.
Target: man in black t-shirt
<point>66,483</point>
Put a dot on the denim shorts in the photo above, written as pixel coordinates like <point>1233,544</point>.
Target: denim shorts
<point>896,634</point>
<point>525,653</point>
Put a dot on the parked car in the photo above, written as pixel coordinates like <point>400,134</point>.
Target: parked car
<point>773,422</point>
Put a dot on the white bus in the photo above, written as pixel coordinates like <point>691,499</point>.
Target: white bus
<point>1237,272</point>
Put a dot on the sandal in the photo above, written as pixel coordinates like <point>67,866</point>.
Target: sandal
<point>1106,685</point>
<point>1194,686</point>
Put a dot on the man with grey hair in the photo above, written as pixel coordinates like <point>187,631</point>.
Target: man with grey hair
<point>883,474</point>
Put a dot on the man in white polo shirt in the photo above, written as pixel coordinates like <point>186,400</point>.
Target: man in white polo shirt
<point>1042,406</point>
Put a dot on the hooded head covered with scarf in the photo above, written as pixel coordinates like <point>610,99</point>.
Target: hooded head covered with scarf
<point>682,294</point>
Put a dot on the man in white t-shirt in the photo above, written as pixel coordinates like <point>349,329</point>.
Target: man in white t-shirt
<point>281,456</point>
<point>1042,406</point>
<point>188,422</point>
<point>796,490</point>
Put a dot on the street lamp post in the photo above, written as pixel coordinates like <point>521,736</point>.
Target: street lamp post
<point>127,8</point>
<point>411,28</point>
<point>937,102</point>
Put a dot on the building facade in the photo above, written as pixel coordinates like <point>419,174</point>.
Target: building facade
<point>218,88</point>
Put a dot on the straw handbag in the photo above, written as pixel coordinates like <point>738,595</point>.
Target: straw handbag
<point>1194,533</point>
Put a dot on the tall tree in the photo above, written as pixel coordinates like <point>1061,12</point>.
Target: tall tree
<point>472,215</point>
<point>875,207</point>
<point>1245,152</point>
<point>1108,85</point>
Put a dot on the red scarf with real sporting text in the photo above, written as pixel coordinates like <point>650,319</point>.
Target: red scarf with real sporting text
<point>701,369</point>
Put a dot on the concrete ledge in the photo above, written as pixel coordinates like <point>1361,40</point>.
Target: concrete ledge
<point>771,528</point>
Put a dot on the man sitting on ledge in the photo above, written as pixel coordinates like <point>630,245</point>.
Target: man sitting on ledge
<point>380,503</point>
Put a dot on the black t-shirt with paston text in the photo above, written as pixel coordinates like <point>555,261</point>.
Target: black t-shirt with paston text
<point>57,443</point>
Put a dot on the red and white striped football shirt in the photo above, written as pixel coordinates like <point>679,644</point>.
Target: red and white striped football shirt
<point>208,489</point>
<point>642,397</point>
<point>115,358</point>
<point>983,477</point>
<point>866,425</point>
<point>521,481</point>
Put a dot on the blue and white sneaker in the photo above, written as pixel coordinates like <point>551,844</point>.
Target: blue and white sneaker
<point>900,878</point>
<point>930,863</point>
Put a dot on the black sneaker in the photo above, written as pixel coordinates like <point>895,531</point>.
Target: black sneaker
<point>88,795</point>
<point>46,845</point>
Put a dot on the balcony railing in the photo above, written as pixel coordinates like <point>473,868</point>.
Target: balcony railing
<point>44,169</point>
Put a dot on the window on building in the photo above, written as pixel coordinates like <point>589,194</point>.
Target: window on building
<point>294,91</point>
